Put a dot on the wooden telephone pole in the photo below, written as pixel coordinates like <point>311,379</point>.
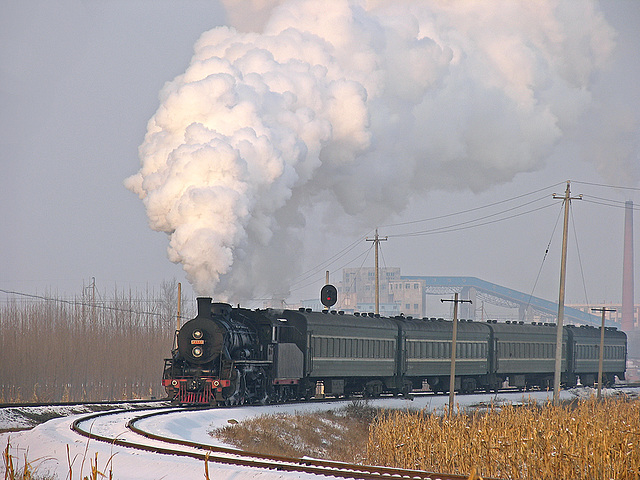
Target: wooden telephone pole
<point>376,241</point>
<point>454,339</point>
<point>601,357</point>
<point>179,315</point>
<point>563,273</point>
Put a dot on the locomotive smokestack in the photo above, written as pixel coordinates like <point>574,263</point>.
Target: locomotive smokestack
<point>204,307</point>
<point>627,270</point>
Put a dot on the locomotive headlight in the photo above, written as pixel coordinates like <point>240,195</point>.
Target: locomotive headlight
<point>197,334</point>
<point>197,352</point>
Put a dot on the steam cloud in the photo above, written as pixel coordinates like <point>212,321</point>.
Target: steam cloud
<point>356,105</point>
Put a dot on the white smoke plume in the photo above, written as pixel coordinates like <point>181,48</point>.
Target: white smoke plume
<point>358,105</point>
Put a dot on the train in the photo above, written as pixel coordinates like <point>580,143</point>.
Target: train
<point>233,356</point>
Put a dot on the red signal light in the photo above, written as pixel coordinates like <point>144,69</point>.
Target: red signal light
<point>328,295</point>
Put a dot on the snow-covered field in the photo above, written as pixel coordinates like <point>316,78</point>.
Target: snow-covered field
<point>46,444</point>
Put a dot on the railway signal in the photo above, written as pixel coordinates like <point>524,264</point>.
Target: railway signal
<point>328,295</point>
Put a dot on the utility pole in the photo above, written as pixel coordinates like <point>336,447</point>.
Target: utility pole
<point>376,241</point>
<point>179,316</point>
<point>454,339</point>
<point>93,299</point>
<point>563,273</point>
<point>601,358</point>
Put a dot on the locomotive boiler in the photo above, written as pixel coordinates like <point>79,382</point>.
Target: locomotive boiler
<point>231,356</point>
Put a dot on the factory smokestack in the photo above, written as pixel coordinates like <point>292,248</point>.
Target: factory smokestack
<point>627,271</point>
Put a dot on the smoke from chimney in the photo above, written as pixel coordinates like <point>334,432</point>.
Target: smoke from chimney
<point>356,106</point>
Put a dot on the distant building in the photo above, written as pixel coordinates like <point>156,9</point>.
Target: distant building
<point>611,317</point>
<point>358,287</point>
<point>410,296</point>
<point>357,292</point>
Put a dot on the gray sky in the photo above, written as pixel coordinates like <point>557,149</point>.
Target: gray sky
<point>80,80</point>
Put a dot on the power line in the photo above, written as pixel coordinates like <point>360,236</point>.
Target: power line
<point>360,255</point>
<point>359,269</point>
<point>607,186</point>
<point>76,303</point>
<point>471,223</point>
<point>323,266</point>
<point>544,257</point>
<point>575,236</point>
<point>440,217</point>
<point>302,280</point>
<point>306,278</point>
<point>607,202</point>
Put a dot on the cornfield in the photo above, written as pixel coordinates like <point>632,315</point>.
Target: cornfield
<point>586,439</point>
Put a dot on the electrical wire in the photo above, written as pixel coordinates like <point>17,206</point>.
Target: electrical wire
<point>608,202</point>
<point>365,254</point>
<point>575,235</point>
<point>77,304</point>
<point>462,212</point>
<point>544,258</point>
<point>359,269</point>
<point>327,263</point>
<point>308,277</point>
<point>473,223</point>
<point>605,185</point>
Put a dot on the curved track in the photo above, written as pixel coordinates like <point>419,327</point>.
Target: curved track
<point>143,440</point>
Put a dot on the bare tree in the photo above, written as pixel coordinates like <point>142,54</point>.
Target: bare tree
<point>69,350</point>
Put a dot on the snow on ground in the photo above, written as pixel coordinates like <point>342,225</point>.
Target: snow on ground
<point>46,445</point>
<point>16,418</point>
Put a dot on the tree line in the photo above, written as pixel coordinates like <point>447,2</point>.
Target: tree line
<point>58,350</point>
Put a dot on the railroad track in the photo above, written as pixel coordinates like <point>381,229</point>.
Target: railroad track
<point>216,454</point>
<point>103,403</point>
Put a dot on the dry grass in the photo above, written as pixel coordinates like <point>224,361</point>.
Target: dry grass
<point>29,469</point>
<point>587,439</point>
<point>337,435</point>
<point>584,439</point>
<point>13,470</point>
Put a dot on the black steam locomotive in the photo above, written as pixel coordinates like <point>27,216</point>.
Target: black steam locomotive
<point>235,356</point>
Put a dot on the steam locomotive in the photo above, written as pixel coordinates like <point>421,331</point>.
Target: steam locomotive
<point>234,356</point>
